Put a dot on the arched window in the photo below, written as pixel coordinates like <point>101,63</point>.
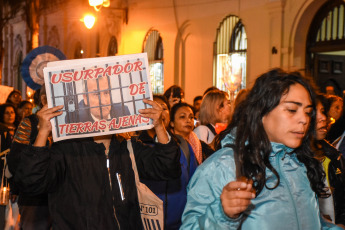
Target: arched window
<point>230,60</point>
<point>78,51</point>
<point>325,54</point>
<point>153,46</point>
<point>112,47</point>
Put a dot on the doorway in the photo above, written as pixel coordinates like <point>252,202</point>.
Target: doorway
<point>329,72</point>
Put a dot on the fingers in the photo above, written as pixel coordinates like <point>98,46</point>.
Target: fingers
<point>154,104</point>
<point>156,108</point>
<point>239,190</point>
<point>236,197</point>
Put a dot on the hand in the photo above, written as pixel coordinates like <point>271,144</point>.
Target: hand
<point>155,113</point>
<point>44,125</point>
<point>236,197</point>
<point>173,100</point>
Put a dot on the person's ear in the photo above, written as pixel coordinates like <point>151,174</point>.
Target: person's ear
<point>172,124</point>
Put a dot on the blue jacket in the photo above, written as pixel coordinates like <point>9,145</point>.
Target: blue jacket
<point>292,205</point>
<point>173,193</point>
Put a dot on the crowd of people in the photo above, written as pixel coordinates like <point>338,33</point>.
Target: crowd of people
<point>273,155</point>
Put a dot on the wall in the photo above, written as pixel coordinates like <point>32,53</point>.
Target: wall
<point>188,29</point>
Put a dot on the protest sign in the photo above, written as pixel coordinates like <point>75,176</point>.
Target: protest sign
<point>100,95</point>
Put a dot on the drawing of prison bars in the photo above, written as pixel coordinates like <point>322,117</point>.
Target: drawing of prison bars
<point>70,98</point>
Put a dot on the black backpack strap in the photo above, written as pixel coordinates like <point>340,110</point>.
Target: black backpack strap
<point>213,130</point>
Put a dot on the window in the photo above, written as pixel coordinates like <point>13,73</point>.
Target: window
<point>230,56</point>
<point>153,46</point>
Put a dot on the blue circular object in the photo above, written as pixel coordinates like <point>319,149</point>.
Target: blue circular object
<point>35,61</point>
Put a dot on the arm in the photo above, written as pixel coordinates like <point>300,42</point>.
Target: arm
<point>21,141</point>
<point>158,162</point>
<point>211,201</point>
<point>38,168</point>
<point>155,113</point>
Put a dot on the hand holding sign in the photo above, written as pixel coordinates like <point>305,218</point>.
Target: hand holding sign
<point>155,113</point>
<point>44,125</point>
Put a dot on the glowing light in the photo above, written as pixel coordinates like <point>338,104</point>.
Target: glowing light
<point>89,20</point>
<point>95,2</point>
<point>81,51</point>
<point>332,120</point>
<point>106,3</point>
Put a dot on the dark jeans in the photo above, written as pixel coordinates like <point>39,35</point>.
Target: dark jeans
<point>34,218</point>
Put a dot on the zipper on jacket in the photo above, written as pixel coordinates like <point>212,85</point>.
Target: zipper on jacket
<point>111,188</point>
<point>288,187</point>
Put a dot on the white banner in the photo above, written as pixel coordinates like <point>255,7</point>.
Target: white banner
<point>100,95</point>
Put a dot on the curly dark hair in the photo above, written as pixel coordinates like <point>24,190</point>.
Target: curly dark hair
<point>252,146</point>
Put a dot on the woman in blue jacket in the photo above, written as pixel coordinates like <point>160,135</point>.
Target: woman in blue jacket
<point>173,193</point>
<point>264,175</point>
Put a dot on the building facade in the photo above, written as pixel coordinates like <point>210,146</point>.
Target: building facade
<point>192,43</point>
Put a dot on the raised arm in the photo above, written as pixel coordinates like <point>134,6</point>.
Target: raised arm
<point>155,113</point>
<point>44,125</point>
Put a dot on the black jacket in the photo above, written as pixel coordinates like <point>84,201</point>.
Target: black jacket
<point>75,174</point>
<point>25,135</point>
<point>336,175</point>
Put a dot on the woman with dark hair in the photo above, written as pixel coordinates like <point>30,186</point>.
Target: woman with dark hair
<point>264,174</point>
<point>174,94</point>
<point>7,130</point>
<point>15,97</point>
<point>33,209</point>
<point>24,109</point>
<point>334,107</point>
<point>332,207</point>
<point>7,125</point>
<point>173,193</point>
<point>182,125</point>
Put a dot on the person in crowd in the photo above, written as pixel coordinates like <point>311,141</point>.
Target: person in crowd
<point>210,89</point>
<point>334,107</point>
<point>37,99</point>
<point>173,193</point>
<point>264,174</point>
<point>196,105</point>
<point>241,95</point>
<point>182,125</point>
<point>333,206</point>
<point>7,125</point>
<point>24,109</point>
<point>96,103</point>
<point>7,130</point>
<point>34,210</point>
<point>90,181</point>
<point>15,97</point>
<point>334,110</point>
<point>215,108</point>
<point>174,94</point>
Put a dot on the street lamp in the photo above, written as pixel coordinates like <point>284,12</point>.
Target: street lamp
<point>89,20</point>
<point>97,4</point>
